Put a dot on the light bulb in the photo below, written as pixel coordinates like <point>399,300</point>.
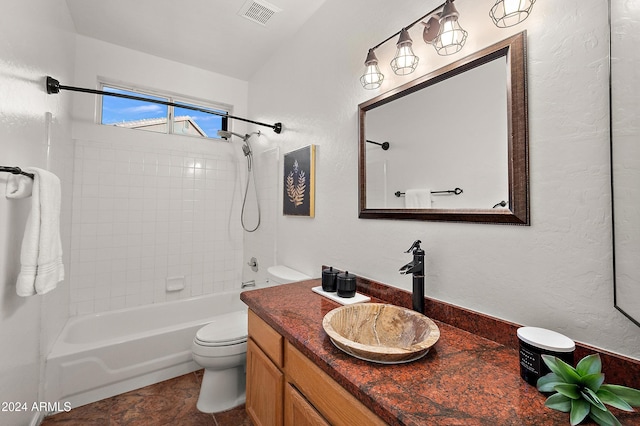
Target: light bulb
<point>511,6</point>
<point>507,13</point>
<point>448,35</point>
<point>451,37</point>
<point>372,77</point>
<point>405,61</point>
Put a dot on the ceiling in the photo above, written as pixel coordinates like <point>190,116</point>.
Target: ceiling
<point>208,34</point>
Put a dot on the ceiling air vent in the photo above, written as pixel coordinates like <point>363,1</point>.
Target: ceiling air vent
<point>258,11</point>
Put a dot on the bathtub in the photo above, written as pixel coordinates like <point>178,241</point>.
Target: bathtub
<point>101,355</point>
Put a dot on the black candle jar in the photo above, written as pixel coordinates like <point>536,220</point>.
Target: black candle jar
<point>329,280</point>
<point>346,284</point>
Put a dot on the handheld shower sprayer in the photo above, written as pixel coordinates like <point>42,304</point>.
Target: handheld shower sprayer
<point>248,153</point>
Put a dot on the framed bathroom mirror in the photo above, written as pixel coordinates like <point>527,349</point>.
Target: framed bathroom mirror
<point>451,145</point>
<point>625,154</point>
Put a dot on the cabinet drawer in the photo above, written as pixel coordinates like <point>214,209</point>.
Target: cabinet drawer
<point>333,402</point>
<point>269,340</point>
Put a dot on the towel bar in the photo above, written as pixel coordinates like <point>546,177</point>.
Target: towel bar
<point>15,171</point>
<point>456,191</point>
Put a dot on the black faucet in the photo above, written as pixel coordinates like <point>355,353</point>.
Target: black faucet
<point>416,267</point>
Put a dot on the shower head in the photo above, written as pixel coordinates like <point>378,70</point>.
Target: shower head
<point>225,134</point>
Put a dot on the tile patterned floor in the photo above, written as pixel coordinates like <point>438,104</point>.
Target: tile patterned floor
<point>172,402</point>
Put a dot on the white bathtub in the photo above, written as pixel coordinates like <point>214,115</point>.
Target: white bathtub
<point>101,355</point>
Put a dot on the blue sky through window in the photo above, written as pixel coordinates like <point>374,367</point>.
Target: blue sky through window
<point>120,110</point>
<point>209,123</point>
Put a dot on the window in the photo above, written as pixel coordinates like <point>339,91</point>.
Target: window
<point>156,117</point>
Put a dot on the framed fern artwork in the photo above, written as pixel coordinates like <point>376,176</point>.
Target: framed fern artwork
<point>299,182</point>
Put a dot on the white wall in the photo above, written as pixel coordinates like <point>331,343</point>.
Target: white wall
<point>557,273</point>
<point>36,40</point>
<point>151,206</point>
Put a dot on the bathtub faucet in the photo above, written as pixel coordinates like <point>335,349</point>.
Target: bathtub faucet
<point>251,283</point>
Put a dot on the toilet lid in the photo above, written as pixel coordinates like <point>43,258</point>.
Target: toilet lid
<point>227,329</point>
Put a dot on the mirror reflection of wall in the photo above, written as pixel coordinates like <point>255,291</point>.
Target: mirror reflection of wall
<point>451,135</point>
<point>625,115</point>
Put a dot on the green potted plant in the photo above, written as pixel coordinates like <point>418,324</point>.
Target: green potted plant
<point>581,391</point>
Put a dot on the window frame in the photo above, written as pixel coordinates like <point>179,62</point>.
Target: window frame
<point>181,100</point>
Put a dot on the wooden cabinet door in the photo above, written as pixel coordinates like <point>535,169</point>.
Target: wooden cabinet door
<point>331,400</point>
<point>265,388</point>
<point>298,411</point>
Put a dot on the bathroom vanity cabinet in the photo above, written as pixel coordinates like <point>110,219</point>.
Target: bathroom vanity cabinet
<point>284,387</point>
<point>296,376</point>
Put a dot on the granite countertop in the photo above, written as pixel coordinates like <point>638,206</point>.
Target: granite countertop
<point>463,380</point>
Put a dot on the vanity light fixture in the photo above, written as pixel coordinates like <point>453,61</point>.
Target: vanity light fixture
<point>372,77</point>
<point>405,61</point>
<point>451,37</point>
<point>441,30</point>
<point>507,13</point>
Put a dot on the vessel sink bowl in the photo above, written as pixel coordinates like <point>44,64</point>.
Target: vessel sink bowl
<point>380,332</point>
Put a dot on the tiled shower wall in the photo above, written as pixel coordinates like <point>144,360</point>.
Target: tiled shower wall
<point>151,212</point>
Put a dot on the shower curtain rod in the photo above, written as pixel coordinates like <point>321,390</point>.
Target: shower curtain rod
<point>54,86</point>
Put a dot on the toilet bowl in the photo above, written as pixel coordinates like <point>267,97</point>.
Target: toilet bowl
<point>220,347</point>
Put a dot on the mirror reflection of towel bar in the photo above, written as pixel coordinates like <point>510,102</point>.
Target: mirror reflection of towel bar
<point>456,191</point>
<point>383,145</point>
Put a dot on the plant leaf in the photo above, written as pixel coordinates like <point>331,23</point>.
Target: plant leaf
<point>603,418</point>
<point>579,410</point>
<point>562,369</point>
<point>630,395</point>
<point>593,381</point>
<point>590,364</point>
<point>548,382</point>
<point>569,390</point>
<point>559,402</point>
<point>592,398</point>
<point>608,397</point>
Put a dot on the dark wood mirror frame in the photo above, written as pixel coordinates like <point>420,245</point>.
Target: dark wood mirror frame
<point>514,50</point>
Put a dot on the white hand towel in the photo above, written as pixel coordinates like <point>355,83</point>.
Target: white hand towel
<point>41,255</point>
<point>417,198</point>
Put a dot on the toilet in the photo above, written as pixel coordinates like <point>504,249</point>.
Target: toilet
<point>220,347</point>
<point>280,274</point>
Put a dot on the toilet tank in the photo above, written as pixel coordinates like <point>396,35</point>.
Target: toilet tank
<point>280,274</point>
